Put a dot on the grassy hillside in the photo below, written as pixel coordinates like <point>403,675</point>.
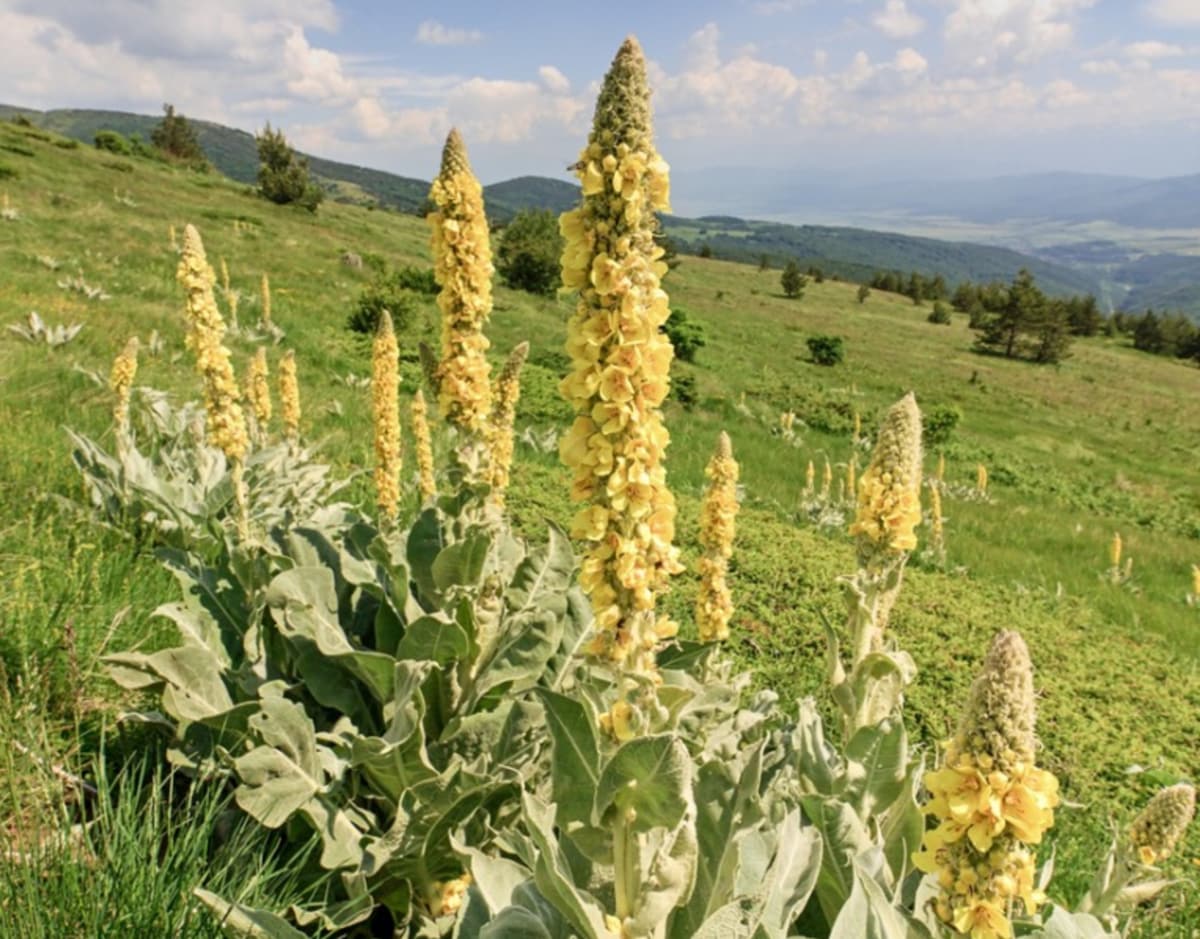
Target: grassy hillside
<point>1108,441</point>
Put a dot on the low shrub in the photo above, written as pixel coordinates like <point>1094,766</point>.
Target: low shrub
<point>826,350</point>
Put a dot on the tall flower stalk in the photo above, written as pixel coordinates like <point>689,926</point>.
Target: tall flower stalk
<point>385,409</point>
<point>888,512</point>
<point>226,426</point>
<point>258,394</point>
<point>714,604</point>
<point>265,293</point>
<point>991,802</point>
<point>424,447</point>
<point>462,258</point>
<point>289,398</point>
<point>619,374</point>
<point>120,382</point>
<point>505,394</point>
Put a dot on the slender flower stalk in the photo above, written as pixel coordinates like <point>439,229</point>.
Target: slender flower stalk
<point>826,480</point>
<point>385,408</point>
<point>258,393</point>
<point>940,473</point>
<point>619,377</point>
<point>420,425</point>
<point>265,291</point>
<point>120,381</point>
<point>505,394</point>
<point>463,267</point>
<point>226,423</point>
<point>937,534</point>
<point>810,476</point>
<point>172,239</point>
<point>857,429</point>
<point>991,802</point>
<point>289,398</point>
<point>851,473</point>
<point>981,479</point>
<point>225,278</point>
<point>1114,550</point>
<point>714,604</point>
<point>233,297</point>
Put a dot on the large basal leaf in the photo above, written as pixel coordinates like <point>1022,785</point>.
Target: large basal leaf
<point>876,767</point>
<point>526,643</point>
<point>818,764</point>
<point>845,839</point>
<point>542,577</point>
<point>902,826</point>
<point>435,638</point>
<point>461,564</point>
<point>792,876</point>
<point>1064,925</point>
<point>868,915</point>
<point>191,676</point>
<point>651,775</point>
<point>575,769</point>
<point>425,543</point>
<point>553,876</point>
<point>668,866</point>
<point>213,592</point>
<point>515,922</point>
<point>244,922</point>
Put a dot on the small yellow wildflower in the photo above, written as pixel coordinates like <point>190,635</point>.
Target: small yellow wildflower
<point>120,381</point>
<point>714,603</point>
<point>385,407</point>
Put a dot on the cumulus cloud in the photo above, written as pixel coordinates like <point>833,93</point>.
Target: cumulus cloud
<point>1152,49</point>
<point>1176,12</point>
<point>897,21</point>
<point>1005,34</point>
<point>433,33</point>
<point>554,80</point>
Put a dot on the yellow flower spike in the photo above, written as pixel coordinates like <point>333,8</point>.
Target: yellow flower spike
<point>857,428</point>
<point>937,533</point>
<point>172,240</point>
<point>619,374</point>
<point>206,330</point>
<point>1157,829</point>
<point>420,424</point>
<point>981,479</point>
<point>233,298</point>
<point>714,604</point>
<point>851,481</point>
<point>505,395</point>
<point>826,480</point>
<point>289,397</point>
<point>940,473</point>
<point>990,800</point>
<point>385,408</point>
<point>120,382</point>
<point>810,475</point>
<point>1114,550</point>
<point>259,388</point>
<point>224,278</point>
<point>265,291</point>
<point>463,268</point>
<point>889,504</point>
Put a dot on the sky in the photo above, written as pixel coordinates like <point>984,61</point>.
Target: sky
<point>871,89</point>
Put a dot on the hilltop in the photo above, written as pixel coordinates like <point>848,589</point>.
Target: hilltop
<point>1106,442</point>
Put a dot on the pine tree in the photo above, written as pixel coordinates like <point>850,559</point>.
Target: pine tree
<point>176,138</point>
<point>282,176</point>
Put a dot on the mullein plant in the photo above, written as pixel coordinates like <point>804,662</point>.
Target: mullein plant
<point>419,411</point>
<point>888,512</point>
<point>991,802</point>
<point>718,511</point>
<point>619,378</point>
<point>1193,597</point>
<point>826,480</point>
<point>810,477</point>
<point>257,396</point>
<point>120,382</point>
<point>505,394</point>
<point>981,481</point>
<point>385,411</point>
<point>463,268</point>
<point>265,295</point>
<point>289,399</point>
<point>226,424</point>
<point>1129,874</point>
<point>937,523</point>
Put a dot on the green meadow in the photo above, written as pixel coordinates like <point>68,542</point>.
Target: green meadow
<point>1106,442</point>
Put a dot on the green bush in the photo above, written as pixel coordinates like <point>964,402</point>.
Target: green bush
<point>528,255</point>
<point>113,142</point>
<point>686,335</point>
<point>940,421</point>
<point>683,390</point>
<point>940,314</point>
<point>826,350</point>
<point>792,281</point>
<point>283,177</point>
<point>392,292</point>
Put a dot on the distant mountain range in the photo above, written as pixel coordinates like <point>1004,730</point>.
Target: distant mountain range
<point>1120,276</point>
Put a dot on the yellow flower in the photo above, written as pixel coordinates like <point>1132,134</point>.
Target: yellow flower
<point>618,379</point>
<point>450,895</point>
<point>420,423</point>
<point>889,504</point>
<point>1114,550</point>
<point>826,479</point>
<point>463,268</point>
<point>981,479</point>
<point>505,395</point>
<point>936,522</point>
<point>226,422</point>
<point>120,380</point>
<point>714,604</point>
<point>265,290</point>
<point>810,475</point>
<point>289,397</point>
<point>258,388</point>
<point>385,407</point>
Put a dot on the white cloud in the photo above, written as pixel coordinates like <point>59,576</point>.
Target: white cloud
<point>1152,49</point>
<point>910,62</point>
<point>897,21</point>
<point>1006,34</point>
<point>700,53</point>
<point>773,7</point>
<point>554,80</point>
<point>433,33</point>
<point>1176,12</point>
<point>314,74</point>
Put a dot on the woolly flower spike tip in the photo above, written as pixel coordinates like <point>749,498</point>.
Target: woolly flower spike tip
<point>120,381</point>
<point>505,395</point>
<point>463,267</point>
<point>226,422</point>
<point>889,493</point>
<point>420,424</point>
<point>990,801</point>
<point>289,396</point>
<point>258,388</point>
<point>385,408</point>
<point>714,605</point>
<point>1162,822</point>
<point>619,375</point>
